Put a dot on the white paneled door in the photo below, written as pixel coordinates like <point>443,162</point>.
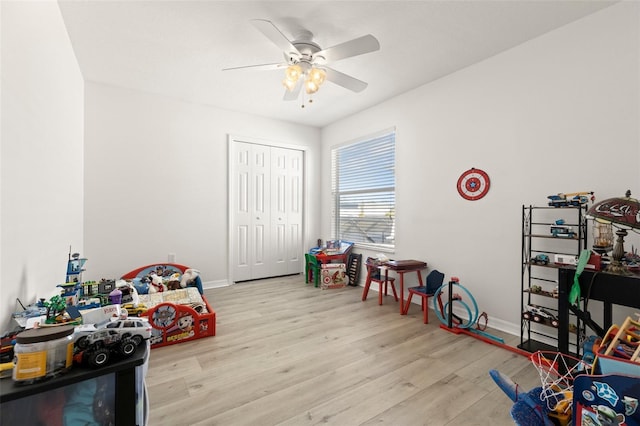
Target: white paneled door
<point>266,194</point>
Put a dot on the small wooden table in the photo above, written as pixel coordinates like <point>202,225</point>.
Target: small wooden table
<point>341,255</point>
<point>401,267</point>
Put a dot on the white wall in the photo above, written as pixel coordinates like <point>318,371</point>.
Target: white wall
<point>556,114</point>
<point>41,153</point>
<point>156,180</point>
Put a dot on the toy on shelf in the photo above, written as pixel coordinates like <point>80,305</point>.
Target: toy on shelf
<point>540,315</point>
<point>30,312</point>
<point>84,299</point>
<point>135,309</point>
<point>560,230</point>
<point>56,309</point>
<point>96,343</point>
<point>540,259</point>
<point>51,312</point>
<point>75,267</point>
<point>574,199</point>
<point>632,260</point>
<point>90,303</point>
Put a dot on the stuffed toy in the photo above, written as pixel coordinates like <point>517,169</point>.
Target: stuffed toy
<point>174,282</point>
<point>156,285</point>
<point>188,277</point>
<point>191,278</point>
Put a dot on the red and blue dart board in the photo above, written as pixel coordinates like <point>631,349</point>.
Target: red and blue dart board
<point>473,184</point>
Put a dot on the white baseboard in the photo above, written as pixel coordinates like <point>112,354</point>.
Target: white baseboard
<point>214,284</point>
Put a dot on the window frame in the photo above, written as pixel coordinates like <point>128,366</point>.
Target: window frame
<point>336,195</point>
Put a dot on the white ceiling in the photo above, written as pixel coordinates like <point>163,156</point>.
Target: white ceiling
<point>179,48</point>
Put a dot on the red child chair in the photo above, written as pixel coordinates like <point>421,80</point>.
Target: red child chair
<point>374,275</point>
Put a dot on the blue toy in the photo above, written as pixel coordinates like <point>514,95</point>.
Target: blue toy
<point>528,409</point>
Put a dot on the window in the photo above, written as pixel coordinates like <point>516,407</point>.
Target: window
<point>363,188</point>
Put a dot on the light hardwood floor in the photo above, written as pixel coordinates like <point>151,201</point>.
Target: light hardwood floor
<point>287,353</point>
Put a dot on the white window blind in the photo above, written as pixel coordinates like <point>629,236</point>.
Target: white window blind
<point>363,187</point>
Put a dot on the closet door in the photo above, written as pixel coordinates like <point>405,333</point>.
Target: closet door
<point>295,250</point>
<point>251,197</point>
<point>266,203</point>
<point>286,210</point>
<point>280,194</point>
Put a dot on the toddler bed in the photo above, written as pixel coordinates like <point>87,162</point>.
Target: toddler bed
<point>177,315</point>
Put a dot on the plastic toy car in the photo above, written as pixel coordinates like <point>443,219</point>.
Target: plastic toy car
<point>562,231</point>
<point>575,199</point>
<point>539,314</point>
<point>95,344</point>
<point>135,310</point>
<point>541,259</point>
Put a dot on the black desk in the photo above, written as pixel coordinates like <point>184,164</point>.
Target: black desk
<point>611,289</point>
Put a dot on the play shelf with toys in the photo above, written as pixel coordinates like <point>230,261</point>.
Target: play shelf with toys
<point>177,309</point>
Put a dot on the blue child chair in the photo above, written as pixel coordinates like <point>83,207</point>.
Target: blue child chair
<point>433,282</point>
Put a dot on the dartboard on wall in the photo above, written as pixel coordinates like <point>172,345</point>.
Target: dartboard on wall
<point>473,184</point>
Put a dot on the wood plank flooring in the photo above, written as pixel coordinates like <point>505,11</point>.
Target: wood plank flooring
<point>287,353</point>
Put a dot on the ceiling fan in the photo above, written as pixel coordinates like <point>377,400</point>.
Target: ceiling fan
<point>306,62</point>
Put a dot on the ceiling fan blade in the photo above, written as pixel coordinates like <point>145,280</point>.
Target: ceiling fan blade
<point>260,67</point>
<point>345,80</point>
<point>355,47</point>
<point>292,95</point>
<point>275,35</point>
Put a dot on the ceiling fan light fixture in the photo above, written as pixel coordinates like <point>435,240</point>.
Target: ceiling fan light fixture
<point>291,76</point>
<point>293,72</point>
<point>289,84</point>
<point>311,86</point>
<point>318,75</point>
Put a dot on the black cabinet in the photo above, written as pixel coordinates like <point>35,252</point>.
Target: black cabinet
<point>552,237</point>
<point>114,394</point>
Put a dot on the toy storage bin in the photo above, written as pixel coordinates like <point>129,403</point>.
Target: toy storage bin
<point>606,364</point>
<point>333,275</point>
